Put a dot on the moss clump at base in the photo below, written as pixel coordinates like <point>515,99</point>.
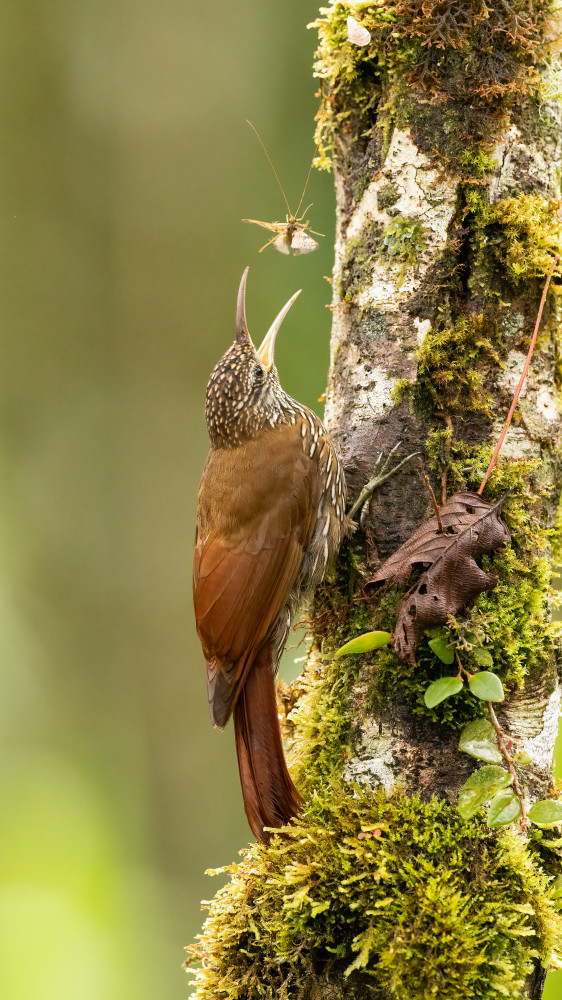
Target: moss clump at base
<point>406,892</point>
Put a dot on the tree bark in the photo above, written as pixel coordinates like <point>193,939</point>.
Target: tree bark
<point>446,147</point>
<point>375,340</point>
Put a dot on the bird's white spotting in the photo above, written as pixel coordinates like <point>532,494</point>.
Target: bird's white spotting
<point>303,430</point>
<point>356,33</point>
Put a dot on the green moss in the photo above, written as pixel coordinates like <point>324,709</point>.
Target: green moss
<point>516,238</point>
<point>404,890</point>
<point>514,617</point>
<point>556,542</point>
<point>471,60</point>
<point>403,241</point>
<point>357,266</point>
<point>400,389</point>
<point>361,186</point>
<point>387,196</point>
<point>453,362</point>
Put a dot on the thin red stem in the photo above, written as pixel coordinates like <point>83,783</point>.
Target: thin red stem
<point>525,823</point>
<point>494,458</point>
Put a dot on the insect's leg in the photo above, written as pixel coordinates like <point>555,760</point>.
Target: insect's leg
<point>269,242</point>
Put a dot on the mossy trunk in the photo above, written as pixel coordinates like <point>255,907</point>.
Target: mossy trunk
<point>445,138</point>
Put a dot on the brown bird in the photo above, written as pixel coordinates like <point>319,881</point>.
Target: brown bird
<point>271,515</point>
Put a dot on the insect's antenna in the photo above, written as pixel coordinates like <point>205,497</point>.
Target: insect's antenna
<point>304,188</point>
<point>262,144</point>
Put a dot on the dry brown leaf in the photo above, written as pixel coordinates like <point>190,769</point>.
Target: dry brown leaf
<point>451,577</point>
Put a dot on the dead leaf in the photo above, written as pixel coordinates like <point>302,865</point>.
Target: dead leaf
<point>451,577</point>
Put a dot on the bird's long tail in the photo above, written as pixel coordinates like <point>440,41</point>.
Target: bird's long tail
<point>270,798</point>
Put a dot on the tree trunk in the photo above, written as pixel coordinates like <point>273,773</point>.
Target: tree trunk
<point>446,146</point>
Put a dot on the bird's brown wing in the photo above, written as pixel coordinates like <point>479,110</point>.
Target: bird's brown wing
<point>256,517</point>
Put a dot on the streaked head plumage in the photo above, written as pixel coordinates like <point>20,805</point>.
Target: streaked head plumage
<point>244,394</point>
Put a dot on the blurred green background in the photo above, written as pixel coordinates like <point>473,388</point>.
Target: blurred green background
<point>126,167</point>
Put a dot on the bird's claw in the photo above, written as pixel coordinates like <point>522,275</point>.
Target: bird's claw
<point>380,474</point>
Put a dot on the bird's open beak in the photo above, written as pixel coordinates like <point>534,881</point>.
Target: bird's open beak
<point>265,352</point>
<point>242,335</point>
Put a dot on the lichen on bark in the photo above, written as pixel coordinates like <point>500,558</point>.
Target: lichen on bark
<point>444,135</point>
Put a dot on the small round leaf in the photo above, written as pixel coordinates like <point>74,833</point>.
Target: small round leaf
<point>364,643</point>
<point>546,812</point>
<point>478,740</point>
<point>478,729</point>
<point>504,808</point>
<point>445,687</point>
<point>483,750</point>
<point>522,757</point>
<point>481,787</point>
<point>486,686</point>
<point>439,646</point>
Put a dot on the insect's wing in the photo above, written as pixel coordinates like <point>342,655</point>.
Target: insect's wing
<point>282,244</point>
<point>302,243</point>
<point>272,226</point>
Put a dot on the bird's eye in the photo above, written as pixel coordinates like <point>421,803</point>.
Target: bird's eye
<point>258,373</point>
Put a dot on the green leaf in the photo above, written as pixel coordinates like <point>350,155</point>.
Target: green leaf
<point>445,687</point>
<point>504,808</point>
<point>483,657</point>
<point>522,757</point>
<point>477,739</point>
<point>440,647</point>
<point>486,686</point>
<point>364,643</point>
<point>546,812</point>
<point>480,787</point>
<point>479,729</point>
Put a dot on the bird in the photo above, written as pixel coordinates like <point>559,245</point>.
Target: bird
<point>270,519</point>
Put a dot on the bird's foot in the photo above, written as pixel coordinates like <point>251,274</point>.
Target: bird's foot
<point>381,473</point>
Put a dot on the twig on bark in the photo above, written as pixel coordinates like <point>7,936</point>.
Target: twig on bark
<point>435,504</point>
<point>525,822</point>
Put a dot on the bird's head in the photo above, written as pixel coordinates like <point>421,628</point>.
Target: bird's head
<point>244,395</point>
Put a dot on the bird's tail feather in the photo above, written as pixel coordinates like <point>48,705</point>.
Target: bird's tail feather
<point>270,798</point>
